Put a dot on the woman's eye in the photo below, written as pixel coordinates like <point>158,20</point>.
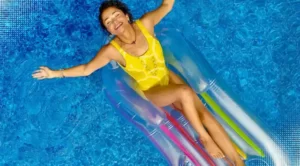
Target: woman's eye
<point>108,23</point>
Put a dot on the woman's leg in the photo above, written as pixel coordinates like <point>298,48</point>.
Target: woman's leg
<point>165,95</point>
<point>216,131</point>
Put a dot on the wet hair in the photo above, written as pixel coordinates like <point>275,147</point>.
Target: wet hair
<point>113,3</point>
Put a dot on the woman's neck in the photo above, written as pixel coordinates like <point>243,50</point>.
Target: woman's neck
<point>128,36</point>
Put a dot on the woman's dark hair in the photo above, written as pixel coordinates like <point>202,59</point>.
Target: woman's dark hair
<point>117,4</point>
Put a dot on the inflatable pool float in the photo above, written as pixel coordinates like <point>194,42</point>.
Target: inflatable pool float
<point>169,131</point>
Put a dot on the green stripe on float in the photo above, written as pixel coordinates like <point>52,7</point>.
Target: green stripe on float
<point>231,123</point>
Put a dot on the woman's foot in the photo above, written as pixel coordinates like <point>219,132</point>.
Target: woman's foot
<point>211,147</point>
<point>236,161</point>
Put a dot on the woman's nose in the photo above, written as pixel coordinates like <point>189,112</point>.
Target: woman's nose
<point>115,22</point>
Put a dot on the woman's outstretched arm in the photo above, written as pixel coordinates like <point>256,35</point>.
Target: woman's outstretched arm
<point>155,16</point>
<point>101,59</point>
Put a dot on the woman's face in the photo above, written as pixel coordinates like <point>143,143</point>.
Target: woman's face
<point>114,20</point>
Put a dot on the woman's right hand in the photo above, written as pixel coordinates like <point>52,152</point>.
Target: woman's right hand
<point>43,73</point>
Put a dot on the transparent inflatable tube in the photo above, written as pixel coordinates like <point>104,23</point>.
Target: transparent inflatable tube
<point>171,133</point>
<point>231,113</point>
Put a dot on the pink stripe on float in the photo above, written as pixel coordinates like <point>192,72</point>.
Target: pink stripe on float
<point>178,143</point>
<point>189,138</point>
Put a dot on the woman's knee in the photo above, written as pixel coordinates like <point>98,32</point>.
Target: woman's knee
<point>186,92</point>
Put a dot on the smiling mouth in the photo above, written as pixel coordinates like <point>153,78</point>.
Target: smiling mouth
<point>118,26</point>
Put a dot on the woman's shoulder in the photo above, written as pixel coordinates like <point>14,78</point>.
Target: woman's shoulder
<point>111,52</point>
<point>108,50</point>
<point>147,24</point>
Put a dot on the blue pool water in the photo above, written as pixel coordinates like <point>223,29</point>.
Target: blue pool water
<point>252,45</point>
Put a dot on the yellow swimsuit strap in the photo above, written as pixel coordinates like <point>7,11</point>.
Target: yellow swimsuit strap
<point>117,46</point>
<point>143,29</point>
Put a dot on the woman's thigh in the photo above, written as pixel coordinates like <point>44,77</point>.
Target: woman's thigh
<point>166,95</point>
<point>170,94</point>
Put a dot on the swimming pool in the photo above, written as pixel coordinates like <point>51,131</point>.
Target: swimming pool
<point>252,45</point>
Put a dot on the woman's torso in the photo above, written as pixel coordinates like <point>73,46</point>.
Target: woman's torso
<point>143,61</point>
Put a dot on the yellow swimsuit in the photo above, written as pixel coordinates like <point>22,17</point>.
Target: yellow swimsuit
<point>149,69</point>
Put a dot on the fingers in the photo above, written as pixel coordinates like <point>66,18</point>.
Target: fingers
<point>40,78</point>
<point>41,69</point>
<point>37,71</point>
<point>39,74</point>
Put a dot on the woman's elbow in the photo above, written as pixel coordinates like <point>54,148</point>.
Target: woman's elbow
<point>86,74</point>
<point>169,4</point>
<point>86,71</point>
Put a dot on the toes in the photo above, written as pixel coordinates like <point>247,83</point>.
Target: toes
<point>214,156</point>
<point>220,155</point>
<point>217,156</point>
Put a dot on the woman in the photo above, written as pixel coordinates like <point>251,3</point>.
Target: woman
<point>140,54</point>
